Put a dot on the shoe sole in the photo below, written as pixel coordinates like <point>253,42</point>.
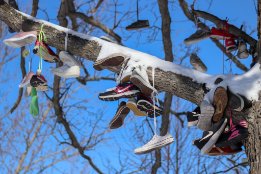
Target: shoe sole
<point>220,103</point>
<point>158,146</point>
<point>118,59</point>
<point>20,42</point>
<point>133,107</point>
<point>193,41</point>
<point>147,107</point>
<point>192,123</point>
<point>141,84</point>
<point>121,114</point>
<point>212,141</point>
<point>129,94</point>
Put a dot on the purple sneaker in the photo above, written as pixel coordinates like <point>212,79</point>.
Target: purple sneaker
<point>26,79</point>
<point>125,90</point>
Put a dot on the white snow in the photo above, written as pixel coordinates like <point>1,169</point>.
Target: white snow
<point>248,84</point>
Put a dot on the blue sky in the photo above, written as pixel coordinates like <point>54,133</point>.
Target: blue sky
<point>238,12</point>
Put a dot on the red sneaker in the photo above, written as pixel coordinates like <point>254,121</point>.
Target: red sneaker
<point>230,44</point>
<point>44,51</point>
<point>223,151</point>
<point>220,34</point>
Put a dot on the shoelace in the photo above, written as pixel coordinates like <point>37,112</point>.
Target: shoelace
<point>154,103</point>
<point>41,38</point>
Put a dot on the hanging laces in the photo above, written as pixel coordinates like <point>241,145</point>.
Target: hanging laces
<point>66,41</point>
<point>154,102</point>
<point>41,38</point>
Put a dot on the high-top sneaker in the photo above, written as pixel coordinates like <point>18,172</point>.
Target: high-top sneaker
<point>193,117</point>
<point>220,100</point>
<point>132,105</point>
<point>220,34</point>
<point>145,104</point>
<point>118,119</point>
<point>235,134</point>
<point>125,90</point>
<point>155,143</point>
<point>242,50</point>
<point>238,102</point>
<point>21,39</point>
<point>196,37</point>
<point>230,44</point>
<point>210,137</point>
<point>112,62</point>
<point>44,51</point>
<point>197,63</point>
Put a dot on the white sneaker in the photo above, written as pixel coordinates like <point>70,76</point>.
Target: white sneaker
<point>68,59</point>
<point>26,80</point>
<point>21,39</point>
<point>155,143</point>
<point>242,50</point>
<point>67,72</point>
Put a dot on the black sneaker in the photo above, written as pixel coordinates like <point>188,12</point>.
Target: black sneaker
<point>118,120</point>
<point>192,117</point>
<point>39,82</point>
<point>235,134</point>
<point>238,102</point>
<point>125,90</point>
<point>210,137</point>
<point>145,104</point>
<point>139,24</point>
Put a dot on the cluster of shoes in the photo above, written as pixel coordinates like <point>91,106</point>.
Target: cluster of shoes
<point>133,84</point>
<point>221,34</point>
<point>223,123</point>
<point>70,68</point>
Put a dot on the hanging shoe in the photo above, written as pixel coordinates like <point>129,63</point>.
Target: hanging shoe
<point>140,78</point>
<point>44,51</point>
<point>66,71</point>
<point>39,82</point>
<point>235,134</point>
<point>145,104</point>
<point>21,39</point>
<point>68,59</point>
<point>220,100</point>
<point>118,120</point>
<point>220,34</point>
<point>197,63</point>
<point>242,50</point>
<point>112,62</point>
<point>139,24</point>
<point>210,137</point>
<point>125,90</point>
<point>205,118</point>
<point>215,151</point>
<point>125,71</point>
<point>193,117</point>
<point>230,44</point>
<point>132,105</point>
<point>155,143</point>
<point>196,37</point>
<point>26,80</point>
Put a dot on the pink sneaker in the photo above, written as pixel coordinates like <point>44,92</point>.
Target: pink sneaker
<point>21,39</point>
<point>26,79</point>
<point>230,44</point>
<point>44,51</point>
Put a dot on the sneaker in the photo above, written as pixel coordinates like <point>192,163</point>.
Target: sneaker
<point>140,78</point>
<point>125,90</point>
<point>230,44</point>
<point>139,24</point>
<point>112,62</point>
<point>242,50</point>
<point>67,72</point>
<point>235,134</point>
<point>197,63</point>
<point>155,143</point>
<point>145,104</point>
<point>118,120</point>
<point>21,39</point>
<point>44,51</point>
<point>196,37</point>
<point>219,34</point>
<point>215,151</point>
<point>68,59</point>
<point>236,101</point>
<point>205,117</point>
<point>192,117</point>
<point>220,100</point>
<point>210,138</point>
<point>132,105</point>
<point>125,72</point>
<point>39,82</point>
<point>26,80</point>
